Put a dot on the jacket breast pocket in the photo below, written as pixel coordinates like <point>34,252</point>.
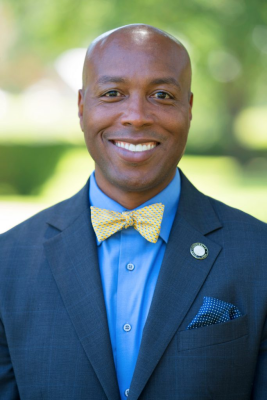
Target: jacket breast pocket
<point>213,334</point>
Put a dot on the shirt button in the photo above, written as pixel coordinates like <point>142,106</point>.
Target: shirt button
<point>130,267</point>
<point>126,392</point>
<point>127,327</point>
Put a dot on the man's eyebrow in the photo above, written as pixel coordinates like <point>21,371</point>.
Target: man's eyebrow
<point>109,78</point>
<point>118,79</point>
<point>168,81</point>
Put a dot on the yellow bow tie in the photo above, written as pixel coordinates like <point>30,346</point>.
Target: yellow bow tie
<point>146,221</point>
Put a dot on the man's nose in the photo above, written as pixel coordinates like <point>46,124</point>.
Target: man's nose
<point>137,112</point>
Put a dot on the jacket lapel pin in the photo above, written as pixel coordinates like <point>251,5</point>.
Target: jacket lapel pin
<point>199,251</point>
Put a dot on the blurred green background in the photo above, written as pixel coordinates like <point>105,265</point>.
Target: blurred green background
<point>42,46</point>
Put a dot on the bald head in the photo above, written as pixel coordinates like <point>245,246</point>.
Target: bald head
<point>142,39</point>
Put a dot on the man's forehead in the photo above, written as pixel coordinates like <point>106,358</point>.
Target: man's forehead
<point>137,42</point>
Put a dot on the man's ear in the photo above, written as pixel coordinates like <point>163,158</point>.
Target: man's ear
<point>191,99</point>
<point>80,106</point>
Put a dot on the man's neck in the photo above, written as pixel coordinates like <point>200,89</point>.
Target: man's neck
<point>130,199</point>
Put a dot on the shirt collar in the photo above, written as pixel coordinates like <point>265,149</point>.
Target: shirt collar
<point>169,197</point>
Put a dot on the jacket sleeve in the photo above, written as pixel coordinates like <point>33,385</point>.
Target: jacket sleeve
<point>8,386</point>
<point>260,379</point>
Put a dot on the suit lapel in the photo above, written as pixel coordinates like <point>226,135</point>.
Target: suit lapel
<point>72,255</point>
<point>180,279</point>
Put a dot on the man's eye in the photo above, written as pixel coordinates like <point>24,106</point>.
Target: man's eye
<point>162,95</point>
<point>112,93</point>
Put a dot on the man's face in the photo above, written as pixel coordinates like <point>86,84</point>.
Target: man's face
<point>135,112</point>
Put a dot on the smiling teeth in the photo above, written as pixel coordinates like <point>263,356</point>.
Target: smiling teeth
<point>137,147</point>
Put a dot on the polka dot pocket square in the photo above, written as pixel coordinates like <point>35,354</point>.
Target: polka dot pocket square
<point>214,311</point>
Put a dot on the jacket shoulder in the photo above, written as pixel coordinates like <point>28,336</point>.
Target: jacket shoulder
<point>231,216</point>
<point>61,214</point>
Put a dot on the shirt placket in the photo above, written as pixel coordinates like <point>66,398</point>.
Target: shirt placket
<point>127,320</point>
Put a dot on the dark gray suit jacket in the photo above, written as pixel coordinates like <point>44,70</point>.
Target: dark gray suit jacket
<point>54,338</point>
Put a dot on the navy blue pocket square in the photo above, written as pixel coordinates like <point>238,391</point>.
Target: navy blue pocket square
<point>214,311</point>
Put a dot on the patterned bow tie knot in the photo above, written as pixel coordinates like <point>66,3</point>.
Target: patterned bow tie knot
<point>129,220</point>
<point>146,221</point>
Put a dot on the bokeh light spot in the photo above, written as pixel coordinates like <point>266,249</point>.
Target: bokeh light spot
<point>223,66</point>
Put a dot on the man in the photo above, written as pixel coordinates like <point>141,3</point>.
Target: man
<point>103,298</point>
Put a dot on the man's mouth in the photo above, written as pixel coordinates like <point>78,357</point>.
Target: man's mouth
<point>136,147</point>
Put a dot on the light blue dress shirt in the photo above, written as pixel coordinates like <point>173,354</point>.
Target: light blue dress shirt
<point>129,268</point>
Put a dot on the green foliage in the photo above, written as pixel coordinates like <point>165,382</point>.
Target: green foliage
<point>24,169</point>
